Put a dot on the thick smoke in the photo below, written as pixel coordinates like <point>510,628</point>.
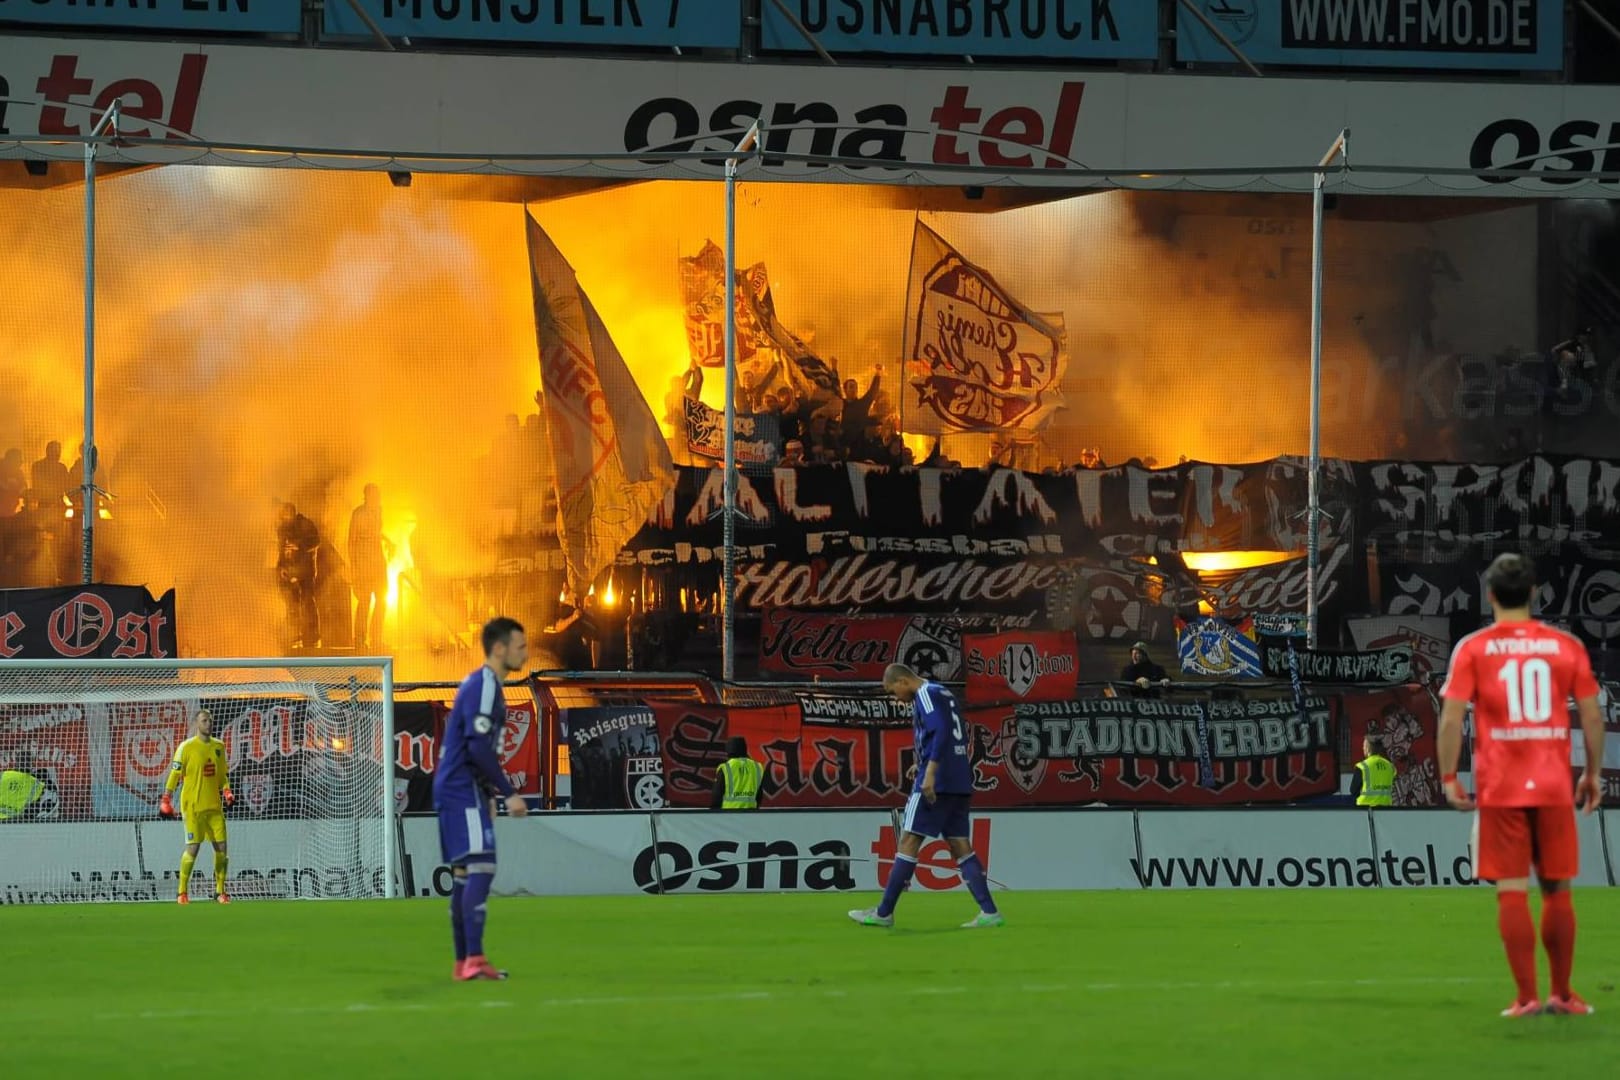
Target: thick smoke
<point>293,335</point>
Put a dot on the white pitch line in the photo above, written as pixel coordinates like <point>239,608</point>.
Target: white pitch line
<point>362,1008</point>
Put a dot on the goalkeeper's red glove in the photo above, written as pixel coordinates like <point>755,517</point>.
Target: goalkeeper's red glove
<point>166,806</point>
<point>229,796</point>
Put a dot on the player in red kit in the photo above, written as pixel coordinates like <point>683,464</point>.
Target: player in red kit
<point>1519,675</point>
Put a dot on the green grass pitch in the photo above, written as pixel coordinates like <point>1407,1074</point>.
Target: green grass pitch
<point>1171,984</point>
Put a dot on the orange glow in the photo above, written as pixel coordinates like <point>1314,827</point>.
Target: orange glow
<point>1213,562</point>
<point>340,744</point>
<point>397,533</point>
<point>299,333</point>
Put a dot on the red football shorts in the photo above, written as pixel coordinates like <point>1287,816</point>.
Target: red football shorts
<point>1509,840</point>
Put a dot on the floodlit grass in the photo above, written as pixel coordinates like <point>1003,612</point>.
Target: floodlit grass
<point>1157,984</point>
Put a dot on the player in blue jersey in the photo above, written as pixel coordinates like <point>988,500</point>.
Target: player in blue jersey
<point>465,783</point>
<point>939,799</point>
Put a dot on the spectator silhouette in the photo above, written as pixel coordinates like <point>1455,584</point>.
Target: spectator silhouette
<point>51,481</point>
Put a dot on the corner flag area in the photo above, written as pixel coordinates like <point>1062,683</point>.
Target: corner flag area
<point>1190,984</point>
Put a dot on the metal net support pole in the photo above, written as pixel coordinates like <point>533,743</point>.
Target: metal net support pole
<point>728,645</point>
<point>1313,511</point>
<point>88,504</point>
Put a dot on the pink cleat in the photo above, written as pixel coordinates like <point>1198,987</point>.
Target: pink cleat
<point>1571,1005</point>
<point>1520,1009</point>
<point>478,967</point>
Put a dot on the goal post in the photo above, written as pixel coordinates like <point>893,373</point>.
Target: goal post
<point>85,749</point>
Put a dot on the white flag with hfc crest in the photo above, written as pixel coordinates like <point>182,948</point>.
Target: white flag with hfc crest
<point>976,359</point>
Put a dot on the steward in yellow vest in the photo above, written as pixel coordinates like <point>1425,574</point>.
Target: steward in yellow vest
<point>737,780</point>
<point>1374,781</point>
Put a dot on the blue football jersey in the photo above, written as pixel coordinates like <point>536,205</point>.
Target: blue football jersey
<point>941,735</point>
<point>469,765</point>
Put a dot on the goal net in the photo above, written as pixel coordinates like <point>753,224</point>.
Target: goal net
<point>85,749</point>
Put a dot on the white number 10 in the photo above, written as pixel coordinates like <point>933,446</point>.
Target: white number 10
<point>1529,691</point>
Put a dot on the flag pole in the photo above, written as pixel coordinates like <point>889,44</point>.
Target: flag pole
<point>1313,511</point>
<point>728,644</point>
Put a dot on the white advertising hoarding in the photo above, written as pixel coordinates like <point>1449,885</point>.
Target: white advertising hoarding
<point>140,860</point>
<point>571,854</point>
<point>1231,849</point>
<point>460,113</point>
<point>1433,847</point>
<point>588,854</point>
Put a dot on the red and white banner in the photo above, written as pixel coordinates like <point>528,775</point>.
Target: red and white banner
<point>1257,749</point>
<point>856,648</point>
<point>611,460</point>
<point>1024,665</point>
<point>519,750</point>
<point>51,743</point>
<point>1407,719</point>
<point>143,737</point>
<point>975,357</point>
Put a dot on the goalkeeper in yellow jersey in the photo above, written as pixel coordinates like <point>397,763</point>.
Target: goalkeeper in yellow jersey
<point>205,791</point>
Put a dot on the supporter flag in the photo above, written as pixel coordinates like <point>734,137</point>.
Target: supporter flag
<point>762,340</point>
<point>1213,646</point>
<point>976,359</point>
<point>609,457</point>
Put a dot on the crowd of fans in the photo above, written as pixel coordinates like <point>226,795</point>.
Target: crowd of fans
<point>824,427</point>
<point>39,533</point>
<point>820,427</point>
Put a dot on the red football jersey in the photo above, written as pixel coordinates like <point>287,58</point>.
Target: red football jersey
<point>1519,676</point>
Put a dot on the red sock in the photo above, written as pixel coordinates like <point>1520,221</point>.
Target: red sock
<point>1558,935</point>
<point>1519,940</point>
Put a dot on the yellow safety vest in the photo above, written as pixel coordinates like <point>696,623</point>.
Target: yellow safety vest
<point>742,776</point>
<point>18,790</point>
<point>1377,782</point>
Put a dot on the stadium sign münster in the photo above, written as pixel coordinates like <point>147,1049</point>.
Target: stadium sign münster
<point>644,119</point>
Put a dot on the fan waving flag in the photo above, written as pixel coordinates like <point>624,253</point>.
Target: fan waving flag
<point>610,459</point>
<point>762,340</point>
<point>976,359</point>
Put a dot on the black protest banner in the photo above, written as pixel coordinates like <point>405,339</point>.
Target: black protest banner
<point>1222,749</point>
<point>756,442</point>
<point>1435,528</point>
<point>614,759</point>
<point>102,622</point>
<point>1280,657</point>
<point>1555,510</point>
<point>416,740</point>
<point>853,707</point>
<point>1027,548</point>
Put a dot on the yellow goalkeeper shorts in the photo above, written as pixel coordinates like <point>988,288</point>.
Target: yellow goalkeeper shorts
<point>206,825</point>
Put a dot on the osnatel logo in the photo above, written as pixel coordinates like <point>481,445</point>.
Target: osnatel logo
<point>936,867</point>
<point>957,131</point>
<point>1515,145</point>
<point>724,865</point>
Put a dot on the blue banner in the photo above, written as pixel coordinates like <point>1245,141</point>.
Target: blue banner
<point>696,24</point>
<point>1508,35</point>
<point>1070,29</point>
<point>210,16</point>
